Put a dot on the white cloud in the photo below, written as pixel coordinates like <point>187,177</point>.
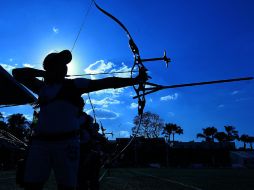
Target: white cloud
<point>55,30</point>
<point>107,67</point>
<point>125,69</point>
<point>170,97</point>
<point>105,102</point>
<point>132,93</point>
<point>7,67</point>
<point>244,99</point>
<point>235,92</point>
<point>28,65</point>
<point>221,106</point>
<point>102,66</point>
<point>98,67</point>
<point>133,105</point>
<point>124,134</point>
<point>112,92</point>
<point>171,114</point>
<point>11,59</point>
<point>5,115</point>
<point>29,117</point>
<point>103,113</point>
<point>129,123</point>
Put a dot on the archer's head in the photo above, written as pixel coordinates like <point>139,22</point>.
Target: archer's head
<point>55,65</point>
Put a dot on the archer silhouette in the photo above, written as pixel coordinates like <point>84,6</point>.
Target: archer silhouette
<point>93,146</point>
<point>55,143</point>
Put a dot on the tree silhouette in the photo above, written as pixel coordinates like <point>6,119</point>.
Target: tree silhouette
<point>179,131</point>
<point>172,129</point>
<point>17,124</point>
<point>251,140</point>
<point>221,136</point>
<point>245,139</point>
<point>232,133</point>
<point>150,126</point>
<point>208,134</point>
<point>3,125</point>
<point>1,117</point>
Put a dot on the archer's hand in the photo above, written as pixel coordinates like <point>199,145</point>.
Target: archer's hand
<point>142,76</point>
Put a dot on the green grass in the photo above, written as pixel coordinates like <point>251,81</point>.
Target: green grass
<point>148,179</point>
<point>208,179</point>
<point>8,181</point>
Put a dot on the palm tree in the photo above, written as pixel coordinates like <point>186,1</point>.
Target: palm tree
<point>221,136</point>
<point>168,130</point>
<point>17,124</point>
<point>232,133</point>
<point>172,129</point>
<point>251,140</point>
<point>1,116</point>
<point>244,138</point>
<point>208,134</point>
<point>3,125</point>
<point>178,131</point>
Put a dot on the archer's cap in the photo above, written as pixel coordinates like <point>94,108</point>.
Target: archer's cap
<point>64,57</point>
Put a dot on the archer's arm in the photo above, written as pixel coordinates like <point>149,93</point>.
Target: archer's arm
<point>27,77</point>
<point>86,85</point>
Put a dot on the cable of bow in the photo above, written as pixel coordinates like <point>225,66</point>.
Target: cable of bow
<point>74,45</point>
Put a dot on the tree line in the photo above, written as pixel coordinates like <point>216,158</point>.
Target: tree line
<point>150,125</point>
<point>16,124</point>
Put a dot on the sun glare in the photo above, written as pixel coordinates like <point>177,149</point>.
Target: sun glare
<point>73,67</point>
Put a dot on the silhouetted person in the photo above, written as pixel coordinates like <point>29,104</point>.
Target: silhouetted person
<point>86,122</point>
<point>96,156</point>
<point>55,144</point>
<point>91,151</point>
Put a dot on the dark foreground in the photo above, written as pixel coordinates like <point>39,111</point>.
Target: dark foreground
<point>170,179</point>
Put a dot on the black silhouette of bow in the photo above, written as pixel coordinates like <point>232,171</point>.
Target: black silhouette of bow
<point>140,88</point>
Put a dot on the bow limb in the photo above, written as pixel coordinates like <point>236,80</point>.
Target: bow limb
<point>137,61</point>
<point>114,18</point>
<point>133,46</point>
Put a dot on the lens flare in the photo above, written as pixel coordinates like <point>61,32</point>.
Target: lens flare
<point>72,67</point>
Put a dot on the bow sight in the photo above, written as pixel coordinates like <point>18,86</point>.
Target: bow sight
<point>164,58</point>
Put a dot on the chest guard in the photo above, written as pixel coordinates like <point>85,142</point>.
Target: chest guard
<point>68,92</point>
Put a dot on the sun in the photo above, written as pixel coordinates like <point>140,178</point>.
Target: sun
<point>75,66</point>
<point>72,68</point>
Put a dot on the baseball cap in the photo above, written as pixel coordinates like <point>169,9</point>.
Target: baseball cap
<point>64,57</point>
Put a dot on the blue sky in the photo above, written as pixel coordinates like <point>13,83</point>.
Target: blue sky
<point>206,40</point>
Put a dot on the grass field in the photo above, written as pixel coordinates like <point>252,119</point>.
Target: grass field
<point>170,179</point>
